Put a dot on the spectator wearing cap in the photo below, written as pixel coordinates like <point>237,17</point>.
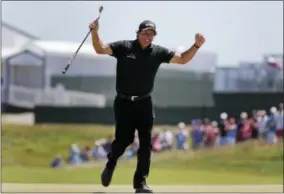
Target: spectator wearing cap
<point>261,123</point>
<point>196,134</point>
<point>231,131</point>
<point>182,136</point>
<point>74,154</point>
<point>244,130</point>
<point>271,126</point>
<point>167,139</point>
<point>99,152</point>
<point>183,129</point>
<point>222,127</point>
<point>216,133</point>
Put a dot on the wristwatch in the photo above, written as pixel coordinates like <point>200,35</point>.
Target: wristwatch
<point>196,46</point>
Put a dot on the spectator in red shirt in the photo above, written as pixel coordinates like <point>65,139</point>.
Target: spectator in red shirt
<point>240,134</point>
<point>216,133</point>
<point>245,129</point>
<point>209,135</point>
<point>157,147</point>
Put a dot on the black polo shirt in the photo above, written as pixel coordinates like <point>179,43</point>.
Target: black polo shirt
<point>222,128</point>
<point>136,67</point>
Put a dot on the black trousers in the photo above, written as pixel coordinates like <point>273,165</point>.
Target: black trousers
<point>130,116</point>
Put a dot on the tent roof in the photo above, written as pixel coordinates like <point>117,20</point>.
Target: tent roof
<point>62,47</point>
<point>7,52</point>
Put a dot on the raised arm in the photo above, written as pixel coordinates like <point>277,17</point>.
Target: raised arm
<point>98,45</point>
<point>186,56</point>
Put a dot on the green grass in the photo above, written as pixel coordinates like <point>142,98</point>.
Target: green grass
<point>246,158</point>
<point>123,175</point>
<point>28,150</point>
<point>37,145</point>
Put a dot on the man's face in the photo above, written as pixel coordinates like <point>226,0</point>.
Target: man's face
<point>146,37</point>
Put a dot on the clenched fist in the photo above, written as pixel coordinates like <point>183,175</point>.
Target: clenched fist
<point>94,25</point>
<point>199,39</point>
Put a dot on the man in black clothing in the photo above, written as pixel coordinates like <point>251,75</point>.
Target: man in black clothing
<point>222,125</point>
<point>137,64</point>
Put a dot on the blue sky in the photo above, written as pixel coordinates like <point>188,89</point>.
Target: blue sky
<point>236,31</point>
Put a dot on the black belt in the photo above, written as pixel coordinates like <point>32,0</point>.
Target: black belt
<point>133,98</point>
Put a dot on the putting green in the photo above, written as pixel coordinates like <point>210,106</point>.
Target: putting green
<point>28,150</point>
<point>16,187</point>
<point>123,175</point>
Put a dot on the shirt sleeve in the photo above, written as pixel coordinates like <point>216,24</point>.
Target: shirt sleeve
<point>118,48</point>
<point>166,55</point>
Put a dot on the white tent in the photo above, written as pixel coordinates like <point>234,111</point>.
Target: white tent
<point>6,53</point>
<point>27,65</point>
<point>26,69</point>
<point>39,60</point>
<point>30,70</point>
<point>12,41</point>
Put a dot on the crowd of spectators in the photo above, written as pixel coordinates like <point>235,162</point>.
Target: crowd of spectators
<point>201,133</point>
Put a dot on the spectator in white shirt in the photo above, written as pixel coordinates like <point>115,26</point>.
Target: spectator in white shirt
<point>184,132</point>
<point>98,151</point>
<point>261,122</point>
<point>167,139</point>
<point>183,129</point>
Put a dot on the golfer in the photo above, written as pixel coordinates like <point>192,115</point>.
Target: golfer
<point>137,64</point>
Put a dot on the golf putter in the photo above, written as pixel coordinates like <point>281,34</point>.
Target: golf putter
<point>72,58</point>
